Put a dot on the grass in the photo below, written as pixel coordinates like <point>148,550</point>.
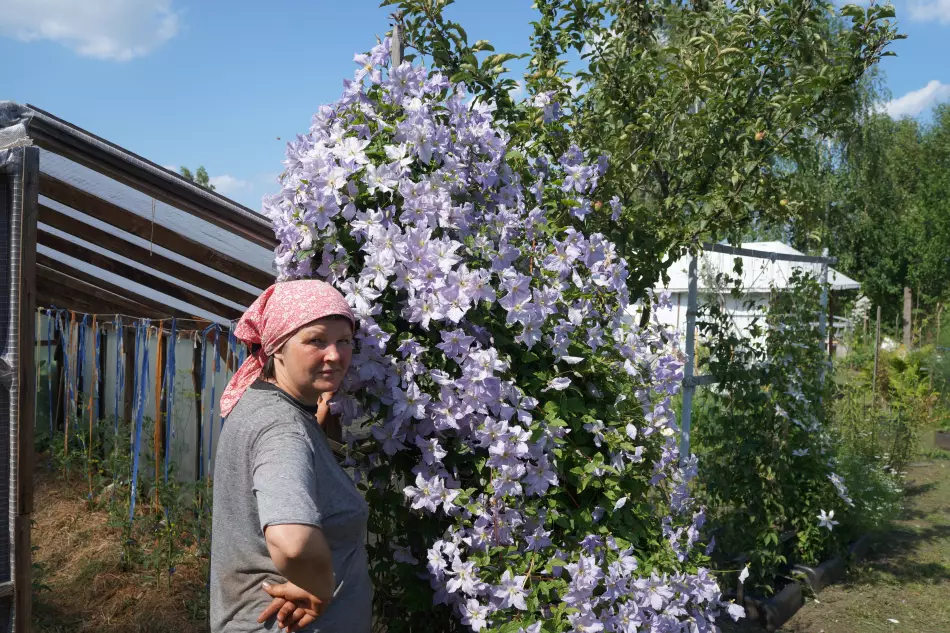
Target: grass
<point>86,586</point>
<point>906,576</point>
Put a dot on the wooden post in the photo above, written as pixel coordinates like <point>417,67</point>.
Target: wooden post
<point>128,394</point>
<point>22,264</point>
<point>823,312</point>
<point>939,310</point>
<point>396,45</point>
<point>688,387</point>
<point>908,305</point>
<point>877,349</point>
<point>916,317</point>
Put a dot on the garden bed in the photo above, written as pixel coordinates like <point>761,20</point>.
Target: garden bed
<point>80,582</point>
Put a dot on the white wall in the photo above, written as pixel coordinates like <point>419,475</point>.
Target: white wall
<point>741,314</point>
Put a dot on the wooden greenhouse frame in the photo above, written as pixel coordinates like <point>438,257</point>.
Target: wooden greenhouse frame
<point>28,279</point>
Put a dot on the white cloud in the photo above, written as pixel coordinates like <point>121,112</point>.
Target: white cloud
<point>518,92</point>
<point>229,185</point>
<point>916,101</point>
<point>929,11</point>
<point>117,30</point>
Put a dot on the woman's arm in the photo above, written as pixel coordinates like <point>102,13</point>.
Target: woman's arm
<point>301,554</point>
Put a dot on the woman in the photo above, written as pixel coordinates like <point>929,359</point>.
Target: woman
<point>289,526</point>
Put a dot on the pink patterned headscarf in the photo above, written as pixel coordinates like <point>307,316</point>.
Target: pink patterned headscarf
<point>280,311</point>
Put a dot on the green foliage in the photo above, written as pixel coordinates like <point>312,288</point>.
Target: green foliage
<point>703,110</point>
<point>885,429</point>
<point>880,196</point>
<point>767,405</point>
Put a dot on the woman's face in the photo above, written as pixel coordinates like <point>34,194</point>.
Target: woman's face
<point>314,360</point>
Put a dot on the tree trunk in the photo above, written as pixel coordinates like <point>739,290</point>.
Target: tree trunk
<point>908,306</point>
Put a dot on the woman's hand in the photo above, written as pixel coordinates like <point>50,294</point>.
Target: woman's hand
<point>294,607</point>
<point>323,407</point>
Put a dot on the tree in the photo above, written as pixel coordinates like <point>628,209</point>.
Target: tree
<point>702,110</point>
<point>879,198</point>
<point>200,177</point>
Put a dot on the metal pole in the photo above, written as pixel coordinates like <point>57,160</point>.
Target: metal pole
<point>688,386</point>
<point>824,295</point>
<point>877,348</point>
<point>908,308</point>
<point>822,316</point>
<point>831,326</point>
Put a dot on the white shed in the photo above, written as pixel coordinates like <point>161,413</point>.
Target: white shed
<point>759,276</point>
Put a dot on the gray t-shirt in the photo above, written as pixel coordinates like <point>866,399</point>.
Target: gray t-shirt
<point>274,466</point>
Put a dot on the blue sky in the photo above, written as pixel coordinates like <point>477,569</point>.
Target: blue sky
<point>218,83</point>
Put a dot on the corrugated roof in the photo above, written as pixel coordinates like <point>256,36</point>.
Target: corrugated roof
<point>758,274</point>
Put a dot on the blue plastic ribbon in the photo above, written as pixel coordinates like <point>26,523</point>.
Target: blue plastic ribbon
<point>119,369</point>
<point>214,375</point>
<point>232,345</point>
<point>68,391</point>
<point>136,350</point>
<point>170,391</point>
<point>80,359</point>
<point>95,387</point>
<point>80,366</point>
<point>49,368</point>
<point>119,385</point>
<point>142,391</point>
<point>204,372</point>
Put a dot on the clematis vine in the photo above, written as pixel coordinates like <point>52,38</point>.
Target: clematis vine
<point>505,389</point>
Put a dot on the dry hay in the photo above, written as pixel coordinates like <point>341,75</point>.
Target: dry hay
<point>89,591</point>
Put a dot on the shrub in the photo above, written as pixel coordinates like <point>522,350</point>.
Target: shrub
<point>767,466</point>
<point>501,371</point>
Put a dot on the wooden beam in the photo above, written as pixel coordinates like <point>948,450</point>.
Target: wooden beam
<point>58,136</point>
<point>140,254</point>
<point>58,278</point>
<point>137,275</point>
<point>49,295</point>
<point>142,227</point>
